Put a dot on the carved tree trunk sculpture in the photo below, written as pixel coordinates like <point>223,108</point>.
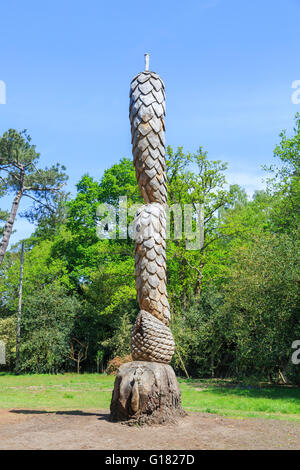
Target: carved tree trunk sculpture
<point>146,390</point>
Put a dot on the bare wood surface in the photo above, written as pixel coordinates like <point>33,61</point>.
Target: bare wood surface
<point>146,393</point>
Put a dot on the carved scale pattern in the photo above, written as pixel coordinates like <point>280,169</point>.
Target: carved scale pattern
<point>151,338</point>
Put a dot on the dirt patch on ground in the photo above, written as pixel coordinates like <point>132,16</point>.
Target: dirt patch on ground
<point>29,429</point>
<point>6,417</point>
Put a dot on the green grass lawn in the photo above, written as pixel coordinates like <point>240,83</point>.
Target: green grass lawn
<point>238,401</point>
<point>92,391</point>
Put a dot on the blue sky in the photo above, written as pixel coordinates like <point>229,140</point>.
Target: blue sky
<point>228,67</point>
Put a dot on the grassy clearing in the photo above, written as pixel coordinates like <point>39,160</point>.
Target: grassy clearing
<point>238,401</point>
<point>92,391</point>
<point>56,392</point>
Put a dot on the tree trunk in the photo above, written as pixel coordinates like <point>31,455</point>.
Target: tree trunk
<point>212,365</point>
<point>183,366</point>
<point>199,280</point>
<point>9,225</point>
<point>146,393</point>
<point>146,390</point>
<point>282,376</point>
<point>18,335</point>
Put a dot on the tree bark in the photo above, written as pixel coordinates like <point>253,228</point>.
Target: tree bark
<point>18,335</point>
<point>9,225</point>
<point>146,393</point>
<point>183,366</point>
<point>199,280</point>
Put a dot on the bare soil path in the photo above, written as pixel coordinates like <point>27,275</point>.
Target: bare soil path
<point>34,429</point>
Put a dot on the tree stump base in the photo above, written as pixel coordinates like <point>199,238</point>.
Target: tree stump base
<point>146,393</point>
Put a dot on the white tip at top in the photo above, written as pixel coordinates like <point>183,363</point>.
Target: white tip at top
<point>146,62</point>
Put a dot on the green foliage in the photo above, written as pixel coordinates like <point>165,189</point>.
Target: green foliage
<point>3,216</point>
<point>20,175</point>
<point>284,184</point>
<point>234,302</point>
<point>196,180</point>
<point>119,343</point>
<point>193,178</point>
<point>262,301</point>
<point>40,269</point>
<point>200,335</point>
<point>8,336</point>
<point>47,324</point>
<point>18,163</point>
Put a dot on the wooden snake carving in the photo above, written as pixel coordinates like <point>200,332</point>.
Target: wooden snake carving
<point>151,338</point>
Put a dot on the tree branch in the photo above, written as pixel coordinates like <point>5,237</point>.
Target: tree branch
<point>39,202</point>
<point>32,188</point>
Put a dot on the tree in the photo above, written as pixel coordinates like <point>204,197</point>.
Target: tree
<point>47,327</point>
<point>8,336</point>
<point>200,335</point>
<point>19,316</point>
<point>3,217</point>
<point>78,352</point>
<point>19,174</point>
<point>262,304</point>
<point>284,183</point>
<point>40,270</point>
<point>48,223</point>
<point>194,179</point>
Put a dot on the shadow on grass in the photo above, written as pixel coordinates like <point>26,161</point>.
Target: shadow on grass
<point>271,392</point>
<point>101,416</point>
